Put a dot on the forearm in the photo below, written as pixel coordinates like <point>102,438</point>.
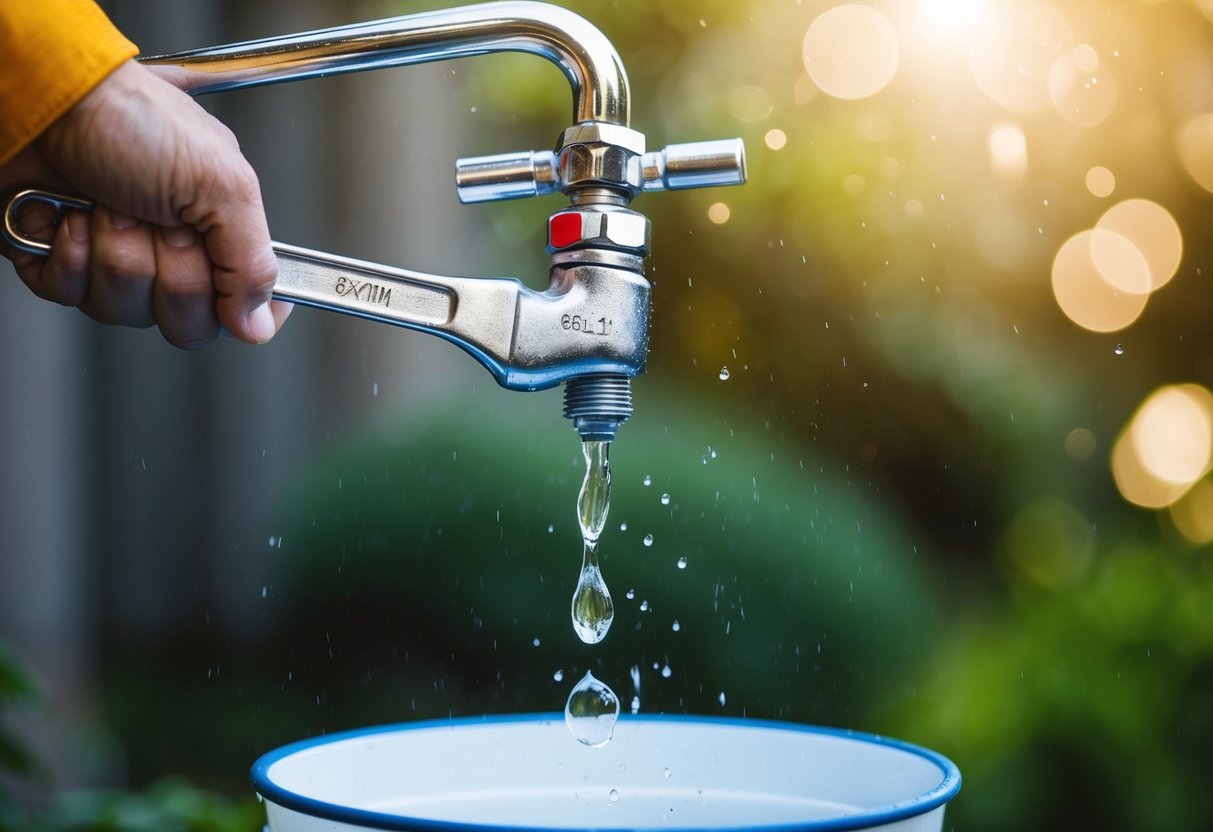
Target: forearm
<point>52,53</point>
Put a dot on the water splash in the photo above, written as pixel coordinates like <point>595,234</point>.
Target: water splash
<point>592,711</point>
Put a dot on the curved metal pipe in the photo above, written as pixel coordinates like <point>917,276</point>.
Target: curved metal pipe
<point>587,58</point>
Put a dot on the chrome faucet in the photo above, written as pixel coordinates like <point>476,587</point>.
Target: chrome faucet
<point>589,329</point>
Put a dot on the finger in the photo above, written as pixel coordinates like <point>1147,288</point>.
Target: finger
<point>238,244</point>
<point>35,220</point>
<point>183,297</point>
<point>122,268</point>
<point>64,277</point>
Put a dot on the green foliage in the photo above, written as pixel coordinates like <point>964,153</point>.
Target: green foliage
<point>16,691</point>
<point>1090,704</point>
<point>169,805</point>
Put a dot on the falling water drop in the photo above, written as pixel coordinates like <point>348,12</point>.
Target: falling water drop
<point>665,499</point>
<point>648,540</point>
<point>558,675</point>
<point>675,626</point>
<point>631,594</point>
<point>592,609</point>
<point>647,481</point>
<point>724,373</point>
<point>592,711</point>
<point>614,795</point>
<point>682,562</point>
<point>1120,349</point>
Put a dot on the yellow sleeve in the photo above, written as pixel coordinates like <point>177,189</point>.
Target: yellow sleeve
<point>52,53</point>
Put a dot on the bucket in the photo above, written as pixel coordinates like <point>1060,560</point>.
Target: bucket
<point>527,774</point>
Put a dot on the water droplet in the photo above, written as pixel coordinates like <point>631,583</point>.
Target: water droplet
<point>591,712</point>
<point>551,528</point>
<point>675,626</point>
<point>375,390</point>
<point>648,540</point>
<point>1120,349</point>
<point>682,562</point>
<point>614,795</point>
<point>647,481</point>
<point>631,593</point>
<point>668,773</point>
<point>535,641</point>
<point>594,499</point>
<point>558,675</point>
<point>666,672</point>
<point>665,499</point>
<point>724,373</point>
<point>265,591</point>
<point>592,609</point>
<point>644,606</point>
<point>721,698</point>
<point>635,704</point>
<point>623,527</point>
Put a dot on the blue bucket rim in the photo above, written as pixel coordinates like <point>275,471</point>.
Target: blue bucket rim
<point>920,805</point>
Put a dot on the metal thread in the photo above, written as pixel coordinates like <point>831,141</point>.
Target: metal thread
<point>598,405</point>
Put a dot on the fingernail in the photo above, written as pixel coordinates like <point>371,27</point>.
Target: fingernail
<point>261,325</point>
<point>121,221</point>
<point>77,226</point>
<point>180,237</point>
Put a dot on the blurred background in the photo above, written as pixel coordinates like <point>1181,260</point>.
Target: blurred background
<point>922,449</point>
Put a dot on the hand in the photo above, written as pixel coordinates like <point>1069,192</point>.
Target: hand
<point>178,238</point>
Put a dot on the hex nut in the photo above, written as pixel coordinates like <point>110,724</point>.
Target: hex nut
<point>612,227</point>
<point>596,153</point>
<point>600,132</point>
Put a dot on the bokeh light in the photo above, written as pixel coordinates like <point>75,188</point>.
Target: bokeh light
<point>1172,433</point>
<point>1081,88</point>
<point>1100,181</point>
<point>1195,145</point>
<point>1166,447</point>
<point>1080,444</point>
<point>1008,150</point>
<point>1013,51</point>
<point>718,213</point>
<point>1120,262</point>
<point>775,139</point>
<point>851,51</point>
<point>1193,513</point>
<point>1085,295</point>
<point>1152,231</point>
<point>750,103</point>
<point>1050,544</point>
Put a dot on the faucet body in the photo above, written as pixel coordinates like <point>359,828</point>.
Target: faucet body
<point>590,327</point>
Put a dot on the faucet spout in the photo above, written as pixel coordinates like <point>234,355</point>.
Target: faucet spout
<point>589,61</point>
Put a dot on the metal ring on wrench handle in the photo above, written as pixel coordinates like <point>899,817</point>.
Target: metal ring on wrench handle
<point>22,241</point>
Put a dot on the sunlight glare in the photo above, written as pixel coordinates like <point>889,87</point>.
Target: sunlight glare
<point>1013,49</point>
<point>950,17</point>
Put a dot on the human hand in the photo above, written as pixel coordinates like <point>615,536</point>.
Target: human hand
<point>179,236</point>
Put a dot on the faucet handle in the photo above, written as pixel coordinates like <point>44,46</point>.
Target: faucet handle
<point>536,173</point>
<point>695,165</point>
<point>507,176</point>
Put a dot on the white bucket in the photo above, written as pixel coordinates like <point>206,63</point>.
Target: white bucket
<point>658,773</point>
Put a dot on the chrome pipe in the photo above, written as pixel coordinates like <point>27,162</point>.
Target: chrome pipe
<point>588,60</point>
